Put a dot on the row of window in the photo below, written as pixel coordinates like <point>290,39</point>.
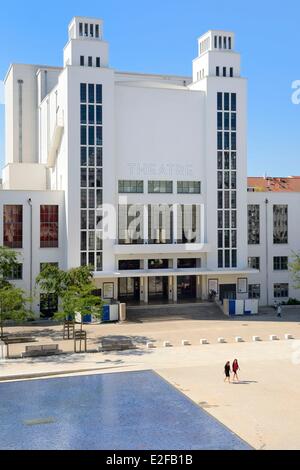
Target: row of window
<point>230,72</point>
<point>17,271</point>
<point>89,30</point>
<point>280,263</point>
<point>89,61</point>
<point>182,263</point>
<point>222,42</point>
<point>163,187</point>
<point>280,290</point>
<point>91,176</point>
<point>13,226</point>
<point>280,224</point>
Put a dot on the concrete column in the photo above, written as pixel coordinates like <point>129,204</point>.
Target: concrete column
<point>198,287</point>
<point>145,280</point>
<point>170,288</point>
<point>174,288</point>
<point>204,287</point>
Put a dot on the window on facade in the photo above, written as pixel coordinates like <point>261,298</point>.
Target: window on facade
<point>224,72</point>
<point>229,43</point>
<point>48,226</point>
<point>16,273</point>
<point>99,94</point>
<point>91,30</point>
<point>188,187</point>
<point>131,224</point>
<point>98,62</point>
<point>160,187</point>
<point>86,30</point>
<point>80,29</point>
<point>254,262</point>
<point>220,101</point>
<point>254,291</point>
<point>253,224</point>
<point>90,61</point>
<point>160,224</point>
<point>187,223</point>
<point>97,30</point>
<point>131,186</point>
<point>158,264</point>
<point>281,290</point>
<point>188,263</point>
<point>130,264</point>
<point>231,71</point>
<point>13,226</point>
<point>82,60</point>
<point>280,263</point>
<point>83,94</point>
<point>217,71</point>
<point>280,224</point>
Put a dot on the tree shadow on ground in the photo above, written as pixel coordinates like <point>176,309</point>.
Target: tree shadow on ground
<point>138,341</point>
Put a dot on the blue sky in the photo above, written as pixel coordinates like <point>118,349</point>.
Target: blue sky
<point>159,36</point>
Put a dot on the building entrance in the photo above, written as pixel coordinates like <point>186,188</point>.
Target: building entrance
<point>129,289</point>
<point>186,287</point>
<point>227,291</point>
<point>158,288</point>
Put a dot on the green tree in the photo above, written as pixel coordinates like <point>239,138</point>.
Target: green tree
<point>295,269</point>
<point>8,261</point>
<point>74,288</point>
<point>12,306</point>
<point>13,303</point>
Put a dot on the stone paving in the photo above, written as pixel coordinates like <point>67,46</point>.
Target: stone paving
<point>263,409</point>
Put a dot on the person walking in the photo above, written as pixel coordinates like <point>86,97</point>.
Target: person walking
<point>235,369</point>
<point>279,311</point>
<point>227,371</point>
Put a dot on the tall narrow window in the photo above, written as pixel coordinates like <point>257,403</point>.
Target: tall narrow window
<point>49,226</point>
<point>224,72</point>
<point>98,62</point>
<point>90,61</point>
<point>97,30</point>
<point>86,30</point>
<point>217,71</point>
<point>80,29</point>
<point>253,224</point>
<point>82,60</point>
<point>231,71</point>
<point>91,30</point>
<point>13,226</point>
<point>280,224</point>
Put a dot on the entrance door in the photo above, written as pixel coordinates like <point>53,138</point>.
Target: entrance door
<point>129,289</point>
<point>158,288</point>
<point>186,287</point>
<point>227,291</point>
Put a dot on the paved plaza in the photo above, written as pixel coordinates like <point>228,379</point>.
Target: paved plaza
<point>263,409</point>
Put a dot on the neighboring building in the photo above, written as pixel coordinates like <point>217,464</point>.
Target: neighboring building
<point>144,177</point>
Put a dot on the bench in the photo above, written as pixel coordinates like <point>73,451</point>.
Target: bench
<point>18,339</point>
<point>41,350</point>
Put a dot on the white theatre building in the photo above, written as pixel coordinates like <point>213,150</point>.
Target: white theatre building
<point>143,177</point>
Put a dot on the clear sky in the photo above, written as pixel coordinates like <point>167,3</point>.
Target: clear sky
<point>160,36</point>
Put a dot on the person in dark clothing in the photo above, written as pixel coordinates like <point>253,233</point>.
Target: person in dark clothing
<point>227,371</point>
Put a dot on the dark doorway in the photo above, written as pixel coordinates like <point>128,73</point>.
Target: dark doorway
<point>158,288</point>
<point>48,305</point>
<point>227,291</point>
<point>129,289</point>
<point>186,287</point>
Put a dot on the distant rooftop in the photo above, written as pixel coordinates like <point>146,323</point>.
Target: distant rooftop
<point>274,184</point>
